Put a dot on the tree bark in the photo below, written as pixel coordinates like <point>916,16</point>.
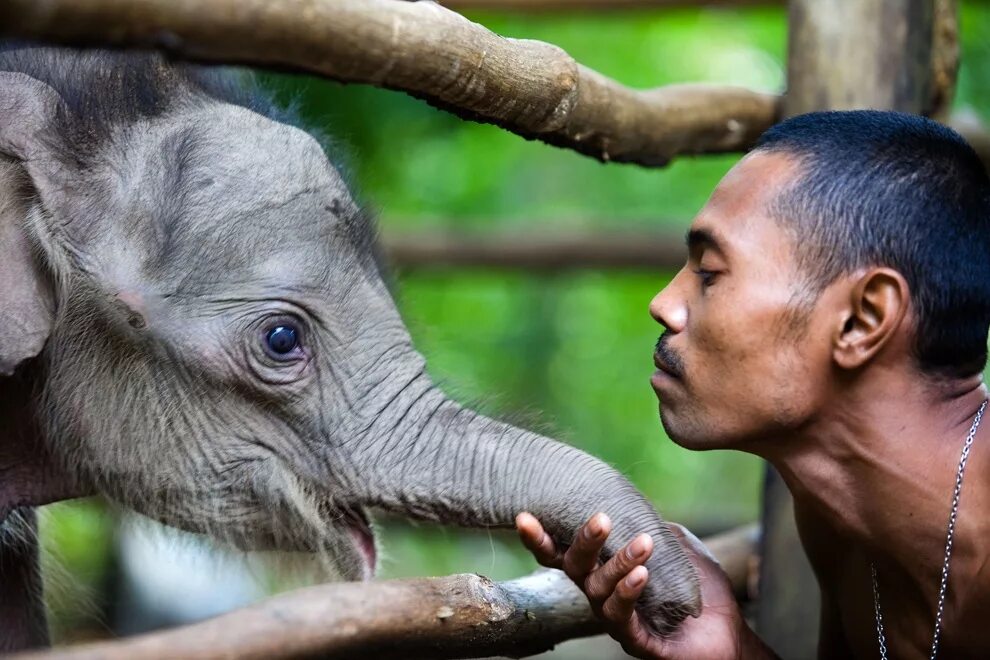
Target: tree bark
<point>459,616</point>
<point>528,87</point>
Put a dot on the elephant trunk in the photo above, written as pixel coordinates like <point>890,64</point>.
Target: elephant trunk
<point>430,458</point>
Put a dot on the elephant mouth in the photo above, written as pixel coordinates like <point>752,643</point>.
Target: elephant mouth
<point>355,522</point>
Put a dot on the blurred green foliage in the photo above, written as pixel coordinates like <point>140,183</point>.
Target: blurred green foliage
<point>566,354</point>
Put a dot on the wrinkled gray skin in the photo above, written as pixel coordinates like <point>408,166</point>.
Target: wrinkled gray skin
<point>153,230</point>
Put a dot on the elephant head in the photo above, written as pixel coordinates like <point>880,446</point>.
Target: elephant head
<point>197,292</point>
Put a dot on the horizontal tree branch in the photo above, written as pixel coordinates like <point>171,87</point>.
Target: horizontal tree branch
<point>528,87</point>
<point>541,252</point>
<point>531,88</point>
<point>459,616</point>
<point>597,5</point>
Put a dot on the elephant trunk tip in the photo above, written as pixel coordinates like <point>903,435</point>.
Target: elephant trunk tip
<point>675,591</point>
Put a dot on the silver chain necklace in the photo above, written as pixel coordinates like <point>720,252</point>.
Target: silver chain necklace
<point>948,551</point>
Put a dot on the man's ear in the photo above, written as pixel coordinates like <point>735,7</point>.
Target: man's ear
<point>27,106</point>
<point>876,307</point>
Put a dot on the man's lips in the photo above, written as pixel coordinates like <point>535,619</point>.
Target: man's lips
<point>659,363</point>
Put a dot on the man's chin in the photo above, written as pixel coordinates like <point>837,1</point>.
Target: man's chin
<point>685,434</point>
<point>670,426</point>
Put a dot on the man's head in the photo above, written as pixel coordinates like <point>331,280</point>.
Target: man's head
<point>846,243</point>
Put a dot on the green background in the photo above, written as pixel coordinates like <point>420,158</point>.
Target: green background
<point>567,354</point>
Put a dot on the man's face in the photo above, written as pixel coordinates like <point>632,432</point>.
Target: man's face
<point>740,362</point>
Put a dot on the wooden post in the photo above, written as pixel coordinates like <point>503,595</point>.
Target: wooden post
<point>842,55</point>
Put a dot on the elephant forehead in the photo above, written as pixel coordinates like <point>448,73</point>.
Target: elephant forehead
<point>220,190</point>
<point>247,248</point>
<point>223,159</point>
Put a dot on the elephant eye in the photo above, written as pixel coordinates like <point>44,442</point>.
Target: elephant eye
<point>282,340</point>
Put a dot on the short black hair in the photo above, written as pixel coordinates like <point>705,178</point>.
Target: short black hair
<point>896,190</point>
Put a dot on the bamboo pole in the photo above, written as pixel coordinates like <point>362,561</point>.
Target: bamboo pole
<point>528,87</point>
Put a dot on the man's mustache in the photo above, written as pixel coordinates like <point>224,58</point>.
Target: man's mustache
<point>670,360</point>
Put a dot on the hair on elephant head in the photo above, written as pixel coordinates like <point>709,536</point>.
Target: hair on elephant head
<point>193,291</point>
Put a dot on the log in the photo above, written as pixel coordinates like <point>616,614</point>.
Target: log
<point>459,616</point>
<point>528,87</point>
<point>536,252</point>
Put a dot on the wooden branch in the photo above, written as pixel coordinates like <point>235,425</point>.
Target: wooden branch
<point>540,252</point>
<point>528,87</point>
<point>597,5</point>
<point>459,616</point>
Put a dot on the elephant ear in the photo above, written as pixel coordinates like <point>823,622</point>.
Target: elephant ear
<point>27,106</point>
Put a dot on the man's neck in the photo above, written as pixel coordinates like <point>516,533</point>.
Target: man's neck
<point>881,463</point>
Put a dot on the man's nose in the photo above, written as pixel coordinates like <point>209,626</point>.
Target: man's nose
<point>668,308</point>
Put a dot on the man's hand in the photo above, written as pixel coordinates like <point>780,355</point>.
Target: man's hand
<point>612,589</point>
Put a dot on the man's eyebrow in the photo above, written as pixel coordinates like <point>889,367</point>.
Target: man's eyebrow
<point>702,238</point>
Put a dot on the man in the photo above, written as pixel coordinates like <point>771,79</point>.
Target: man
<point>832,318</point>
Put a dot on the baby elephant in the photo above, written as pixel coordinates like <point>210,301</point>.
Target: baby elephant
<point>195,325</point>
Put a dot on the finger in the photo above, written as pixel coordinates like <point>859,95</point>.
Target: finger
<point>620,606</point>
<point>604,581</point>
<point>538,541</point>
<point>582,557</point>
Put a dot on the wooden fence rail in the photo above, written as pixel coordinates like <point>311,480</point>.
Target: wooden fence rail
<point>458,616</point>
<point>526,250</point>
<point>528,87</point>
